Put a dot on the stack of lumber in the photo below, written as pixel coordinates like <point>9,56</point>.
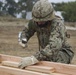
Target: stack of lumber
<point>9,66</point>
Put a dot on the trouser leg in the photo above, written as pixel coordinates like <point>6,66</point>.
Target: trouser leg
<point>65,56</point>
<point>62,57</point>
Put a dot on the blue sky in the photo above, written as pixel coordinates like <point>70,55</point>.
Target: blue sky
<point>55,1</point>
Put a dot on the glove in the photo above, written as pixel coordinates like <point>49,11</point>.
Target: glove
<point>22,41</point>
<point>27,61</point>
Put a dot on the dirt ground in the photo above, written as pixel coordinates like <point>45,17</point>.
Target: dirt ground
<point>9,29</point>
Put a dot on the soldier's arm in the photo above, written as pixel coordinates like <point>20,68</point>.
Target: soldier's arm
<point>57,37</point>
<point>28,31</point>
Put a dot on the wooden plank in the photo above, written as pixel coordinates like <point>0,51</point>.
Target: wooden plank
<point>61,68</point>
<point>10,58</point>
<point>0,59</point>
<point>42,69</point>
<point>10,64</point>
<point>14,71</point>
<point>58,74</point>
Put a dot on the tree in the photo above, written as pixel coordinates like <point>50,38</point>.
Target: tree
<point>0,5</point>
<point>25,6</point>
<point>68,10</point>
<point>21,7</point>
<point>10,7</point>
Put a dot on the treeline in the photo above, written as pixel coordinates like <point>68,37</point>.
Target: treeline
<point>68,10</point>
<point>11,7</point>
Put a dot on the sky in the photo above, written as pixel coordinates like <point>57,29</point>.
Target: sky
<point>56,1</point>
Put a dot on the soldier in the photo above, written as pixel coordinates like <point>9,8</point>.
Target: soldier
<point>51,35</point>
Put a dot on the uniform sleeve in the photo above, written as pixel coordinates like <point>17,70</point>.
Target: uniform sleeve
<point>29,30</point>
<point>57,38</point>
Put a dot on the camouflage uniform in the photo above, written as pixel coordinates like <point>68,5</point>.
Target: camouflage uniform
<point>52,41</point>
<point>51,37</point>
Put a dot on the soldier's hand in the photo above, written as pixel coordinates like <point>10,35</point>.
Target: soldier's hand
<point>27,61</point>
<point>23,42</point>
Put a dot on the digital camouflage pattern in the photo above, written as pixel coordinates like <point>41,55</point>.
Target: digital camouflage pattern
<point>52,41</point>
<point>43,11</point>
<point>52,36</point>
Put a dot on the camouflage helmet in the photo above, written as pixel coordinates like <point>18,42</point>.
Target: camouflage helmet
<point>43,11</point>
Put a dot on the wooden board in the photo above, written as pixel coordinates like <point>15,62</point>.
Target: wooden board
<point>14,71</point>
<point>35,68</point>
<point>10,58</point>
<point>61,69</point>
